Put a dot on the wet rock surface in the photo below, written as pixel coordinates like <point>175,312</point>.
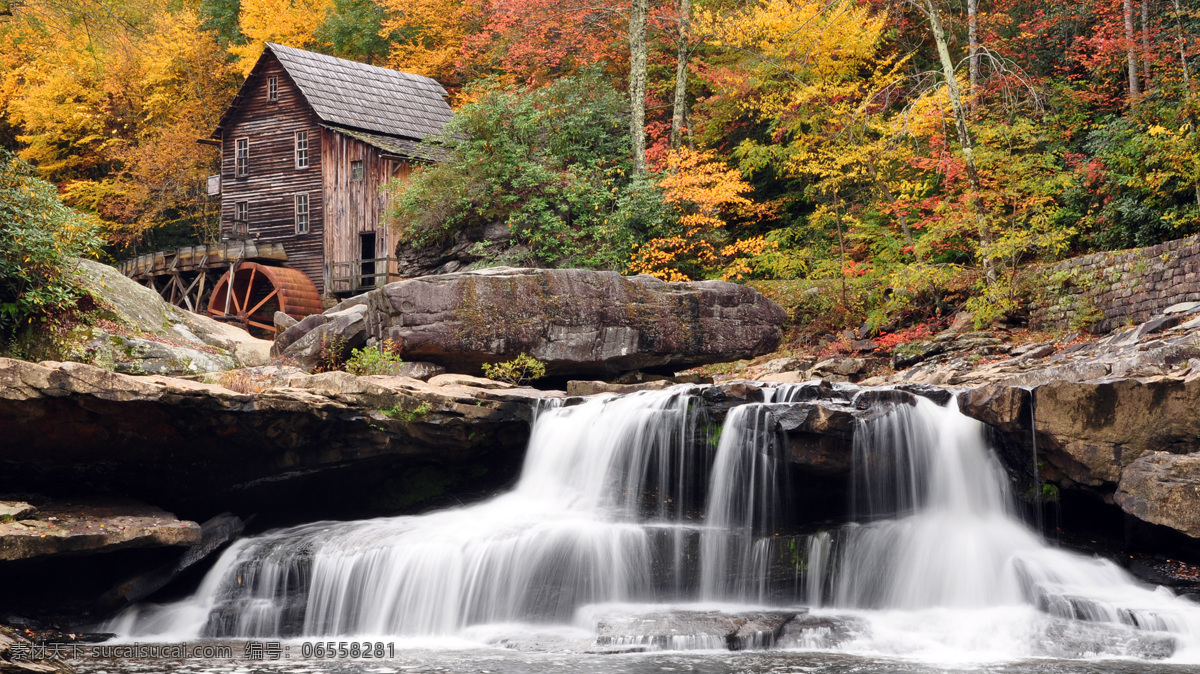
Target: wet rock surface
<point>579,322</point>
<point>84,528</point>
<point>687,629</point>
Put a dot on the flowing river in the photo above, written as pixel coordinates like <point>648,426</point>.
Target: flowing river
<point>638,533</point>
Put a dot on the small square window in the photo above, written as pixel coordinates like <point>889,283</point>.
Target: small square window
<point>272,88</point>
<point>302,214</point>
<point>356,171</point>
<point>301,149</point>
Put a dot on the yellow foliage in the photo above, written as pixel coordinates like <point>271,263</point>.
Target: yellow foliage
<point>287,22</point>
<point>706,195</point>
<point>429,35</point>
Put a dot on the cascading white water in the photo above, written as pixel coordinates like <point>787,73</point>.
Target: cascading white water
<point>602,482</point>
<point>746,497</point>
<point>624,500</point>
<point>937,535</point>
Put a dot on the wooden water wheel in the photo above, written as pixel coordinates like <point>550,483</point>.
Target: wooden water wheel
<point>258,291</point>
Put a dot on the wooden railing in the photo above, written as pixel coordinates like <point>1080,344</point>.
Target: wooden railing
<point>348,277</point>
<point>203,256</point>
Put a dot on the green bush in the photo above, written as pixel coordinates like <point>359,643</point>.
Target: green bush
<point>552,163</point>
<point>520,370</point>
<point>40,240</point>
<point>383,358</point>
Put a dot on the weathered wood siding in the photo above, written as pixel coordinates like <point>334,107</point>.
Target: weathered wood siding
<point>356,206</point>
<point>273,179</point>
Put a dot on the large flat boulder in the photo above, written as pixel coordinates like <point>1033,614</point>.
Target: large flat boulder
<point>578,321</point>
<point>264,440</point>
<point>1164,489</point>
<point>74,529</point>
<point>147,335</point>
<point>1090,430</point>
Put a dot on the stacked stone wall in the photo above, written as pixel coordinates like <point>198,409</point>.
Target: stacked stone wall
<point>1104,291</point>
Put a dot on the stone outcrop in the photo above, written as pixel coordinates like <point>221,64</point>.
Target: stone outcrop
<point>1116,416</point>
<point>1089,431</point>
<point>73,529</point>
<point>367,445</point>
<point>578,322</point>
<point>156,337</point>
<point>1163,489</point>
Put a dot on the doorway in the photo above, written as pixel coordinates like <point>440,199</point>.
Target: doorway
<point>367,255</point>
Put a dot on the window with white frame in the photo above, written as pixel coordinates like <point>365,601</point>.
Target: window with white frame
<point>301,149</point>
<point>356,171</point>
<point>302,214</point>
<point>272,88</point>
<point>241,159</point>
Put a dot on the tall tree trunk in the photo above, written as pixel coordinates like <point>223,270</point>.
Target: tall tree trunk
<point>1146,44</point>
<point>973,42</point>
<point>1131,50</point>
<point>637,83</point>
<point>681,73</point>
<point>960,124</point>
<point>1187,84</point>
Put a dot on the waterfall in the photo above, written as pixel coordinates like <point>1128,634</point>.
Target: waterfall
<point>602,481</point>
<point>629,499</point>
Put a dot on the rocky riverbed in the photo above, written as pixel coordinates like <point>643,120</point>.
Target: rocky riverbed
<point>137,478</point>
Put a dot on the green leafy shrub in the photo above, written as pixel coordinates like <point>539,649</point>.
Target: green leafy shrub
<point>400,414</point>
<point>40,240</point>
<point>520,370</point>
<point>331,355</point>
<point>382,358</point>
<point>552,163</point>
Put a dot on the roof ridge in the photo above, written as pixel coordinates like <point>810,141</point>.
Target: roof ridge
<point>356,64</point>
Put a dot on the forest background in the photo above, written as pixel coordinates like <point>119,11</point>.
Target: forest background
<point>873,163</point>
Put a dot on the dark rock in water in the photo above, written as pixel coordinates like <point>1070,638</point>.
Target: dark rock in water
<point>868,398</point>
<point>1164,489</point>
<point>820,632</point>
<point>691,630</point>
<point>214,534</point>
<point>820,434</point>
<point>577,321</point>
<point>937,394</point>
<point>1076,639</point>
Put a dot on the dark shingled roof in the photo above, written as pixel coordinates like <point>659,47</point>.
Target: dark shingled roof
<point>361,96</point>
<point>401,147</point>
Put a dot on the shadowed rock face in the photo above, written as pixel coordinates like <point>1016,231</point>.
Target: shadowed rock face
<point>1090,431</point>
<point>579,322</point>
<point>1164,489</point>
<point>312,446</point>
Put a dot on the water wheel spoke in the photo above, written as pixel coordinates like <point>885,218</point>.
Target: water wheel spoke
<point>264,326</point>
<point>263,301</point>
<point>249,290</point>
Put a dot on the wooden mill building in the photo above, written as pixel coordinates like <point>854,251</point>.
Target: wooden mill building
<point>307,145</point>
